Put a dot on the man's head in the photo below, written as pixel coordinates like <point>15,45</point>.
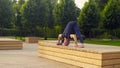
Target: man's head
<point>66,41</point>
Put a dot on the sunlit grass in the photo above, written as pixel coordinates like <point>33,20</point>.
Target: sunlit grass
<point>93,41</point>
<point>104,42</point>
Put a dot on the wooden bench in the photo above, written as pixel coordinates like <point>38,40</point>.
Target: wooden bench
<point>31,39</point>
<point>10,44</point>
<point>92,56</point>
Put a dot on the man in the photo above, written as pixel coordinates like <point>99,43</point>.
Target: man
<point>71,31</point>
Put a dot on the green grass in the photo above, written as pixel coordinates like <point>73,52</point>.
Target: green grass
<point>93,41</point>
<point>49,38</point>
<point>99,41</point>
<point>20,38</point>
<point>104,42</point>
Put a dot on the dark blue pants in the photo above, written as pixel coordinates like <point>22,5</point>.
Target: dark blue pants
<point>78,33</point>
<point>72,28</point>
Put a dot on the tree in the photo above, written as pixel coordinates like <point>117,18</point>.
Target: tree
<point>89,18</point>
<point>6,14</point>
<point>111,16</point>
<point>35,14</point>
<point>101,3</point>
<point>51,4</point>
<point>78,10</point>
<point>21,2</point>
<point>18,21</point>
<point>64,11</point>
<point>14,1</point>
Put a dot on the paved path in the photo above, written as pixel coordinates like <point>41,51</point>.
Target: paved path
<point>27,58</point>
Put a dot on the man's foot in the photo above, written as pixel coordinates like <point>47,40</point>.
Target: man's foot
<point>59,43</point>
<point>81,46</point>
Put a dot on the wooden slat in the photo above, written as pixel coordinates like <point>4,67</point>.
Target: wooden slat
<point>111,62</point>
<point>79,64</point>
<point>10,48</point>
<point>108,66</point>
<point>72,52</point>
<point>72,57</point>
<point>117,66</point>
<point>111,56</point>
<point>10,44</point>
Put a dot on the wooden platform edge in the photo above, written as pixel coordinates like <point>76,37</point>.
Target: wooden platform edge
<point>86,58</point>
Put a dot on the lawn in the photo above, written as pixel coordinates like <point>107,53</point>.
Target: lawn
<point>104,42</point>
<point>99,41</point>
<point>93,41</point>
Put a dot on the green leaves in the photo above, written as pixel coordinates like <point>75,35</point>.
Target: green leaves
<point>89,18</point>
<point>6,13</point>
<point>111,17</point>
<point>64,12</point>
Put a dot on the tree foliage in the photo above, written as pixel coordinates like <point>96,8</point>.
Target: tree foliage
<point>111,16</point>
<point>89,18</point>
<point>21,2</point>
<point>64,11</point>
<point>51,21</point>
<point>101,3</point>
<point>35,14</point>
<point>6,13</point>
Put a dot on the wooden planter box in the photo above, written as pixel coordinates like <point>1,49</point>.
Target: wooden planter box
<point>81,57</point>
<point>10,44</point>
<point>31,39</point>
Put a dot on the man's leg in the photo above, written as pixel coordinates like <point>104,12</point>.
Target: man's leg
<point>59,39</point>
<point>78,33</point>
<point>74,38</point>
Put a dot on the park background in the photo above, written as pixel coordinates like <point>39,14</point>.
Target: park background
<point>97,19</point>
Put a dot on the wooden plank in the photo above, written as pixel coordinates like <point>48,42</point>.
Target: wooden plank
<point>10,44</point>
<point>18,45</point>
<point>111,56</point>
<point>49,44</point>
<point>111,62</point>
<point>72,52</point>
<point>108,67</point>
<point>79,64</point>
<point>72,57</point>
<point>10,48</point>
<point>117,66</point>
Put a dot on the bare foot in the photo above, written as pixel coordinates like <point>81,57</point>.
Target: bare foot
<point>81,46</point>
<point>59,43</point>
